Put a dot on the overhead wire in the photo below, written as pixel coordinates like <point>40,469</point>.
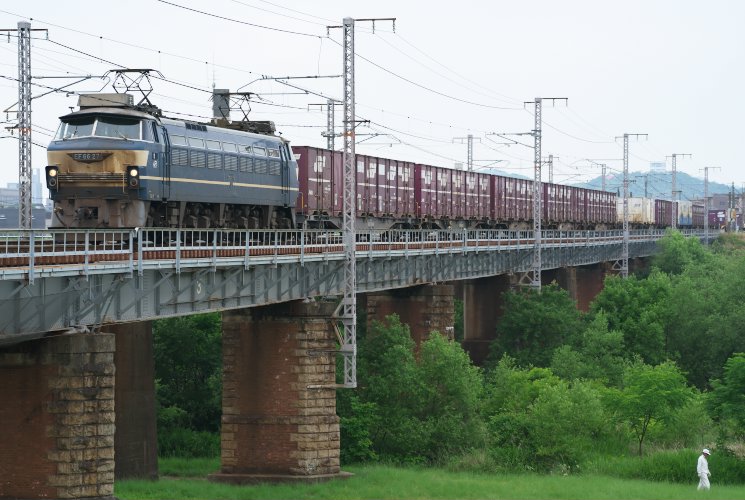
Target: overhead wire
<point>246,23</point>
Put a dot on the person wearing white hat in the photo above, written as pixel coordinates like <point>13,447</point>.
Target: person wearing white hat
<point>702,468</point>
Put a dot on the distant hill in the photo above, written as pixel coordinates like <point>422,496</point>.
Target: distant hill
<point>658,185</point>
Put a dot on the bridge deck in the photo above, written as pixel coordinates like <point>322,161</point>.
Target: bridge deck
<point>56,280</point>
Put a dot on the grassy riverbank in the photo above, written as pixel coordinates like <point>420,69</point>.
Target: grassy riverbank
<point>386,482</point>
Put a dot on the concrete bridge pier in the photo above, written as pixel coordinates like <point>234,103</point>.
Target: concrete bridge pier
<point>425,308</point>
<point>136,438</point>
<point>279,418</point>
<point>482,308</point>
<point>583,283</point>
<point>57,416</point>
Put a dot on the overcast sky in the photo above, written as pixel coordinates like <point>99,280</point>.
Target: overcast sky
<point>673,69</point>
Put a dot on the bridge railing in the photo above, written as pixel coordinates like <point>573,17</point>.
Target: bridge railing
<point>29,252</point>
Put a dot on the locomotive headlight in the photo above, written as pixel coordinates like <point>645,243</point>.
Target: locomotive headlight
<point>52,177</point>
<point>133,177</point>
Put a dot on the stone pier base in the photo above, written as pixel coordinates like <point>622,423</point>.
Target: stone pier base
<point>57,418</point>
<point>425,308</point>
<point>279,401</point>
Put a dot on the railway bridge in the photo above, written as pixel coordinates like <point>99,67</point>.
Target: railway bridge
<point>76,340</point>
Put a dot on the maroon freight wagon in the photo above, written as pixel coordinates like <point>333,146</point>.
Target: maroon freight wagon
<point>663,213</point>
<point>320,175</point>
<point>397,192</point>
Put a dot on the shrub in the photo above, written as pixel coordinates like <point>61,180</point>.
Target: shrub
<point>538,421</point>
<point>672,466</point>
<point>188,443</point>
<point>409,410</point>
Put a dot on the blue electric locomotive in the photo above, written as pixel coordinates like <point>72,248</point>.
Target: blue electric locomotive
<point>112,164</point>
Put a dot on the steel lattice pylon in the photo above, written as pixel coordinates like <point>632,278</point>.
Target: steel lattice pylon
<point>625,247</point>
<point>348,316</point>
<point>535,282</point>
<point>24,125</point>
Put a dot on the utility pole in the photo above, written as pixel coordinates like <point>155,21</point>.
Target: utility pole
<point>535,281</point>
<point>330,133</point>
<point>347,310</point>
<point>706,202</point>
<point>625,247</point>
<point>24,125</point>
<point>646,183</point>
<point>349,300</point>
<point>330,124</point>
<point>742,204</point>
<point>675,193</point>
<point>469,141</point>
<point>550,163</point>
<point>604,169</point>
<point>732,211</point>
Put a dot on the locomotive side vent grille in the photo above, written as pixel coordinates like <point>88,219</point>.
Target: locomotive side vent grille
<point>260,166</point>
<point>245,164</point>
<point>180,157</point>
<point>214,160</point>
<point>231,163</point>
<point>198,159</point>
<point>274,167</point>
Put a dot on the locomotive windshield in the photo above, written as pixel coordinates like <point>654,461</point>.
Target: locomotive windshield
<point>103,126</point>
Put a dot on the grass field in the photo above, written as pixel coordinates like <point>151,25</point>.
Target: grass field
<point>386,482</point>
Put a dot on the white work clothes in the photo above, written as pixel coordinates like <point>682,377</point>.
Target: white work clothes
<point>702,469</point>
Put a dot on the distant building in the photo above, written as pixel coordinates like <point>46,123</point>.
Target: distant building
<point>719,201</point>
<point>36,191</point>
<point>657,166</point>
<point>9,193</point>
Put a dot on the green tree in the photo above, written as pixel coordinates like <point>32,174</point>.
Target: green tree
<point>677,252</point>
<point>705,322</point>
<point>594,354</point>
<point>188,370</point>
<point>451,397</point>
<point>535,419</point>
<point>389,380</point>
<point>638,309</point>
<point>650,394</point>
<point>410,408</point>
<point>534,324</point>
<point>727,398</point>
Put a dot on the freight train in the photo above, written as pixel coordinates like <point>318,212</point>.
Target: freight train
<point>115,165</point>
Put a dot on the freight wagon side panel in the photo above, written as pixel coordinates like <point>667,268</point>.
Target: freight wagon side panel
<point>426,196</point>
<point>406,192</point>
<point>483,189</point>
<point>303,157</point>
<point>663,213</point>
<point>524,200</point>
<point>458,200</point>
<point>383,191</point>
<point>444,203</point>
<point>698,214</point>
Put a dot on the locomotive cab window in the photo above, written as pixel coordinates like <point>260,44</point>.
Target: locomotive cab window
<point>117,127</point>
<point>82,127</point>
<point>147,131</point>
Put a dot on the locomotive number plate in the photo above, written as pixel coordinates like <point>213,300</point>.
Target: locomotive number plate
<point>88,157</point>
